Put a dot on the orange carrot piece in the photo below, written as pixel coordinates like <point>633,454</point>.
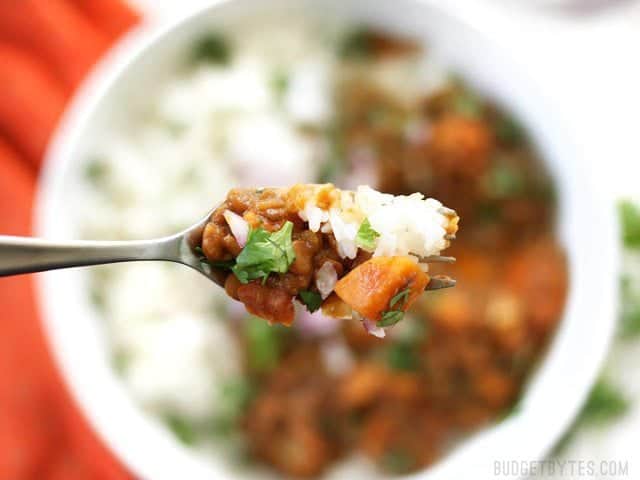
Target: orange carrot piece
<point>31,102</point>
<point>370,287</point>
<point>57,32</point>
<point>113,17</point>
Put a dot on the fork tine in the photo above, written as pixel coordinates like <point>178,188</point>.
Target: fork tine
<point>438,259</point>
<point>440,281</point>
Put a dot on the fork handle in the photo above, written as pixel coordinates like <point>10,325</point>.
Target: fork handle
<point>29,255</point>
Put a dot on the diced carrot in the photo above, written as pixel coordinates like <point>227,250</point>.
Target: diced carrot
<point>55,31</point>
<point>31,101</point>
<point>334,307</point>
<point>370,287</point>
<point>113,17</point>
<point>537,274</point>
<point>461,145</point>
<point>272,304</point>
<point>362,386</point>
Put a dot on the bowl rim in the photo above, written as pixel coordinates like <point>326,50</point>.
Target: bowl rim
<point>84,104</point>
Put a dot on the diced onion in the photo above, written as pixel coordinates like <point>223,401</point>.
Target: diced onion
<point>238,225</point>
<point>370,326</point>
<point>314,324</point>
<point>326,279</point>
<point>372,329</point>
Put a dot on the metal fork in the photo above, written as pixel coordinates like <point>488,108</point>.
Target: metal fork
<point>28,255</point>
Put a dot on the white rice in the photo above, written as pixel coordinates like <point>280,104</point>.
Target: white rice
<point>407,225</point>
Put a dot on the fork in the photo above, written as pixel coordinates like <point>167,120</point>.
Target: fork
<point>29,255</point>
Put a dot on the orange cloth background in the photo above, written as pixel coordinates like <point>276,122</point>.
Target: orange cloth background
<point>46,48</point>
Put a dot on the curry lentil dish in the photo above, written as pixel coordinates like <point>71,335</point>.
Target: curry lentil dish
<point>353,107</point>
<point>464,354</point>
<point>359,253</point>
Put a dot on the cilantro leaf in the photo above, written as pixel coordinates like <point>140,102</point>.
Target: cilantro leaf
<point>182,429</point>
<point>504,181</point>
<point>390,318</point>
<point>265,253</point>
<point>400,296</point>
<point>212,48</point>
<point>393,315</point>
<point>264,344</point>
<point>468,105</point>
<point>398,461</point>
<point>403,356</point>
<point>630,315</point>
<point>221,264</point>
<point>366,236</point>
<point>356,45</point>
<point>235,397</point>
<point>279,83</point>
<point>509,131</point>
<point>312,300</point>
<point>606,402</point>
<point>630,219</point>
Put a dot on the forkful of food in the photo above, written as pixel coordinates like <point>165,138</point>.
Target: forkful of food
<point>354,254</point>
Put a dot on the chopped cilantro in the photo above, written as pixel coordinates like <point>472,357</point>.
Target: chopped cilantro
<point>467,105</point>
<point>97,296</point>
<point>390,318</point>
<point>235,397</point>
<point>356,45</point>
<point>312,300</point>
<point>488,212</point>
<point>279,84</point>
<point>511,411</point>
<point>333,167</point>
<point>630,326</point>
<point>630,317</point>
<point>96,170</point>
<point>263,344</point>
<point>265,253</point>
<point>121,360</point>
<point>222,264</point>
<point>504,180</point>
<point>403,356</point>
<point>398,461</point>
<point>508,131</point>
<point>605,403</point>
<point>400,296</point>
<point>181,429</point>
<point>366,236</point>
<point>630,220</point>
<point>212,48</point>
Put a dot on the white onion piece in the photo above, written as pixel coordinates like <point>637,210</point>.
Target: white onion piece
<point>326,279</point>
<point>238,225</point>
<point>337,356</point>
<point>372,329</point>
<point>370,326</point>
<point>314,324</point>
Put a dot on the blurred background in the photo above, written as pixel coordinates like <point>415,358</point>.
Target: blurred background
<point>584,55</point>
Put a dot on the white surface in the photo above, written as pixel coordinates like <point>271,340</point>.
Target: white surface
<point>560,63</point>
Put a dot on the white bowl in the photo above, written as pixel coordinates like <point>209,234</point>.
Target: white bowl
<point>586,226</point>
